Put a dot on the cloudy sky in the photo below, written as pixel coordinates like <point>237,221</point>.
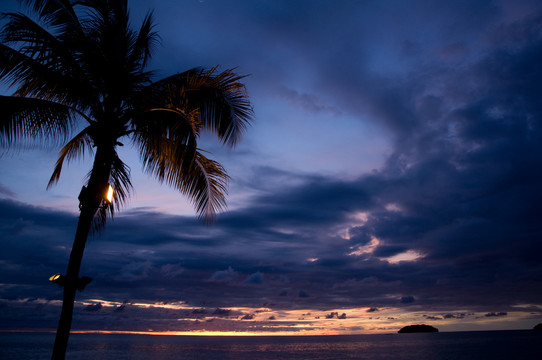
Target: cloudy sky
<point>392,175</point>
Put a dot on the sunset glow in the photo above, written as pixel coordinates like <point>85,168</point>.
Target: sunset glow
<point>183,319</point>
<point>391,174</point>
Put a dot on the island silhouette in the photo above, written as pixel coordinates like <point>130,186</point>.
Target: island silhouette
<point>422,328</point>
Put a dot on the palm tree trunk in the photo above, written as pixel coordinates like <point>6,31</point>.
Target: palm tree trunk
<point>72,274</point>
<point>90,202</point>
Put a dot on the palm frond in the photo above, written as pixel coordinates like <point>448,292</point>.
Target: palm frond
<point>203,180</point>
<point>119,179</point>
<point>223,102</point>
<point>41,65</point>
<point>165,143</point>
<point>33,120</point>
<point>168,148</point>
<point>58,13</point>
<point>75,148</point>
<point>143,42</point>
<point>116,57</point>
<point>206,183</point>
<point>220,99</point>
<point>159,132</point>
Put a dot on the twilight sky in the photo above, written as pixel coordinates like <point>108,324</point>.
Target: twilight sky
<point>392,176</point>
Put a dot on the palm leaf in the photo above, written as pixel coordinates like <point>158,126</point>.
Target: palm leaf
<point>120,180</point>
<point>167,142</point>
<point>122,188</point>
<point>45,67</point>
<point>75,148</point>
<point>206,183</point>
<point>223,103</point>
<point>58,13</point>
<point>203,180</point>
<point>220,99</point>
<point>31,119</point>
<point>143,42</point>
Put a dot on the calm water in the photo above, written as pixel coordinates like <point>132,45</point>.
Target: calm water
<point>442,346</point>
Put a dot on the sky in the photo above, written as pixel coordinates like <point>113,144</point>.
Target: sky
<point>391,176</point>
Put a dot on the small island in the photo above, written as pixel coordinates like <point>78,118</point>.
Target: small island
<point>417,329</point>
<point>538,327</point>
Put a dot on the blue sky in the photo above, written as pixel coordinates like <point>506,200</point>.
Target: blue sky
<point>392,174</point>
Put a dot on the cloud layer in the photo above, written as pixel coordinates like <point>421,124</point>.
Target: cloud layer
<point>445,228</point>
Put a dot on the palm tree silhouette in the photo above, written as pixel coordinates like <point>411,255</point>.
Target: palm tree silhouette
<point>78,67</point>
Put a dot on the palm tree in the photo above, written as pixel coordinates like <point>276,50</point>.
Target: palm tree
<point>79,68</point>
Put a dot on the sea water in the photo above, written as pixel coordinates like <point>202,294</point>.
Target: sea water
<point>494,345</point>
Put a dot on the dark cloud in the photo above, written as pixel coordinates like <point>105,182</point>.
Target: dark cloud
<point>6,192</point>
<point>221,312</point>
<point>93,307</point>
<point>407,299</point>
<point>455,316</point>
<point>496,314</point>
<point>335,315</point>
<point>228,275</point>
<point>256,278</point>
<point>121,308</point>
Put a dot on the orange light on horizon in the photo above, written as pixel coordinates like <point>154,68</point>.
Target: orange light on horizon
<point>209,333</point>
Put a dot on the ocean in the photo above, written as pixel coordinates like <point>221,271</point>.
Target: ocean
<point>493,345</point>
